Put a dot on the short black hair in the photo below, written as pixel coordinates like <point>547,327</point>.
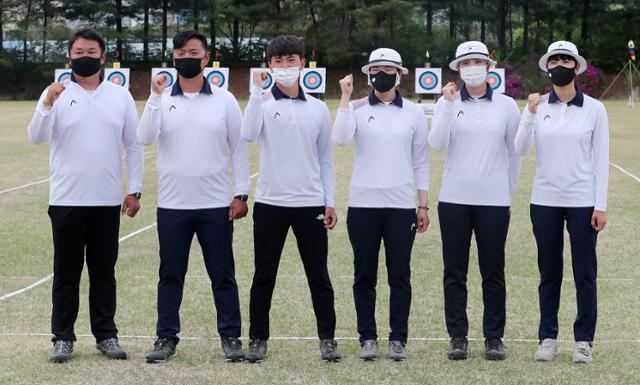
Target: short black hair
<point>285,45</point>
<point>562,56</point>
<point>181,39</point>
<point>89,34</point>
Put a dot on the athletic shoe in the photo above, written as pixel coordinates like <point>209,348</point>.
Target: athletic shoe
<point>163,349</point>
<point>583,353</point>
<point>257,350</point>
<point>329,350</point>
<point>61,351</point>
<point>232,347</point>
<point>547,350</point>
<point>494,349</point>
<point>369,351</point>
<point>397,352</point>
<point>458,347</point>
<point>112,349</point>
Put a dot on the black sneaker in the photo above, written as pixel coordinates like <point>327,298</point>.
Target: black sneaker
<point>112,349</point>
<point>257,350</point>
<point>458,347</point>
<point>329,350</point>
<point>61,351</point>
<point>494,349</point>
<point>163,349</point>
<point>232,347</point>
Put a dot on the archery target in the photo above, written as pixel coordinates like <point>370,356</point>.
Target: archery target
<point>313,80</point>
<point>61,75</point>
<point>428,80</point>
<point>267,85</point>
<point>496,80</point>
<point>217,77</point>
<point>170,73</point>
<point>118,76</point>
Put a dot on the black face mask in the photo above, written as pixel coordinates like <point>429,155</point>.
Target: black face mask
<point>561,76</point>
<point>85,66</point>
<point>382,81</point>
<point>188,67</point>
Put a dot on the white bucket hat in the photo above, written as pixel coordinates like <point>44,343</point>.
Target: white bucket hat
<point>384,57</point>
<point>563,48</point>
<point>471,50</point>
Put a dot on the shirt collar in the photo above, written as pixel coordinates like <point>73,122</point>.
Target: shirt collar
<point>373,99</point>
<point>73,77</point>
<point>278,94</point>
<point>577,100</point>
<point>206,89</point>
<point>464,94</point>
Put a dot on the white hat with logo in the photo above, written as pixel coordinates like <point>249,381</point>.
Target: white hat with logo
<point>471,50</point>
<point>385,57</point>
<point>563,48</point>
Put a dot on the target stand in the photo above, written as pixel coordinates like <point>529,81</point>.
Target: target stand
<point>170,73</point>
<point>217,77</point>
<point>267,84</point>
<point>117,76</point>
<point>496,80</point>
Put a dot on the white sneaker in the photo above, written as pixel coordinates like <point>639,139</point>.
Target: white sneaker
<point>583,353</point>
<point>547,350</point>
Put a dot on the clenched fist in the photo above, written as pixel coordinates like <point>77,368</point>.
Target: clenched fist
<point>346,86</point>
<point>260,78</point>
<point>449,91</point>
<point>55,89</point>
<point>158,82</point>
<point>534,100</point>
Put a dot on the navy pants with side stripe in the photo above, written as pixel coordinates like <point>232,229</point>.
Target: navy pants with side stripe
<point>548,228</point>
<point>367,227</point>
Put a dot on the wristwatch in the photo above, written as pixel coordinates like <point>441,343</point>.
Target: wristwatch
<point>242,197</point>
<point>136,194</point>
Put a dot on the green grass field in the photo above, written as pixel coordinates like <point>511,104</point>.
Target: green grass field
<point>26,257</point>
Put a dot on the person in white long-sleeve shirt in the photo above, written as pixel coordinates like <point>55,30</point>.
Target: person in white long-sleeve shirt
<point>571,133</point>
<point>88,122</point>
<point>295,188</point>
<point>476,127</point>
<point>391,163</point>
<point>197,128</point>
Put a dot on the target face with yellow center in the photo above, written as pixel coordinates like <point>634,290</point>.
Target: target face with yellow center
<point>118,76</point>
<point>60,75</point>
<point>428,80</point>
<point>217,77</point>
<point>169,73</point>
<point>496,80</point>
<point>267,84</point>
<point>312,80</point>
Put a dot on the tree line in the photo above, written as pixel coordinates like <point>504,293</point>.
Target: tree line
<point>342,32</point>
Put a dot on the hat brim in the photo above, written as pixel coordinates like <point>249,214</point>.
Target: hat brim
<point>454,63</point>
<point>365,68</point>
<point>582,63</point>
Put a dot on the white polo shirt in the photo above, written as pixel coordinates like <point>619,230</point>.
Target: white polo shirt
<point>391,151</point>
<point>198,139</point>
<point>482,166</point>
<point>572,151</point>
<point>296,159</point>
<point>87,131</point>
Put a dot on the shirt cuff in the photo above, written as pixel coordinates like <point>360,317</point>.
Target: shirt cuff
<point>42,110</point>
<point>155,100</point>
